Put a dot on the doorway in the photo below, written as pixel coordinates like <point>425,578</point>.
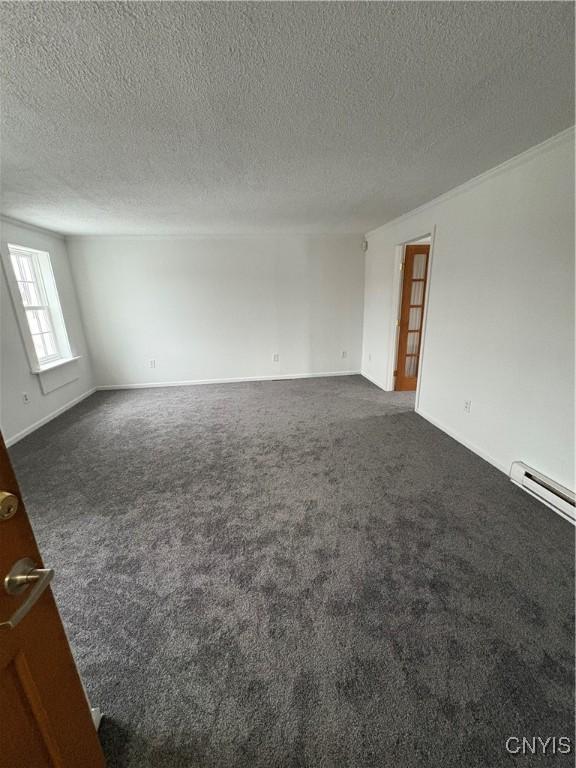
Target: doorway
<point>414,277</point>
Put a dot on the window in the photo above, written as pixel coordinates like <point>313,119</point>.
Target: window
<point>39,311</point>
<point>31,286</point>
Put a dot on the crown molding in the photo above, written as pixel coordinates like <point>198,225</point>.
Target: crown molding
<point>172,236</point>
<point>524,157</point>
<point>215,236</point>
<point>33,227</point>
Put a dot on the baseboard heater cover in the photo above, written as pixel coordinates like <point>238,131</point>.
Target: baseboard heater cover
<point>549,492</point>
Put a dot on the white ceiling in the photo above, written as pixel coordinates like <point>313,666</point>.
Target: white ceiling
<point>242,117</point>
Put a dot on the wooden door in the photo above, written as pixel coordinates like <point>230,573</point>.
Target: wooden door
<point>415,273</point>
<point>45,719</point>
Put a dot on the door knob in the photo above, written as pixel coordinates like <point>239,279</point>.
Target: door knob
<point>22,574</point>
<point>8,505</point>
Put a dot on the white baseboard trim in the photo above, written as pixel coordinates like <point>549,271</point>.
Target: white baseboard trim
<point>37,424</point>
<point>376,383</point>
<point>196,382</point>
<point>465,443</point>
<point>96,716</point>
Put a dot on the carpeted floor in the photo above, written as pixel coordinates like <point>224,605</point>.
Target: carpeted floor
<point>300,573</point>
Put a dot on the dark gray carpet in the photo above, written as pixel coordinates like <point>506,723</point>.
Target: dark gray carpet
<point>300,573</point>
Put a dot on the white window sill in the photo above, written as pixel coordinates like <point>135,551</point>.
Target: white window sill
<point>56,364</point>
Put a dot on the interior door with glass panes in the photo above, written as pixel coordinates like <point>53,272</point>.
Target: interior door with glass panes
<point>411,316</point>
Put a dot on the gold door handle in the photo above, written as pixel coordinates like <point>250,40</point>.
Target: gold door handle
<point>22,574</point>
<point>8,505</point>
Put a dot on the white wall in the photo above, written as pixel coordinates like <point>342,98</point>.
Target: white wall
<point>500,325</point>
<point>16,417</point>
<point>219,307</point>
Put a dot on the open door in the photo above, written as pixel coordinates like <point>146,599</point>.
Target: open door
<point>45,719</point>
<point>411,316</point>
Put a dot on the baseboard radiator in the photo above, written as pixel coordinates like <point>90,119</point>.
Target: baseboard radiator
<point>554,495</point>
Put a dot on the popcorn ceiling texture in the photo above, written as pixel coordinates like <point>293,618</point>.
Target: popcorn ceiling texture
<point>176,117</point>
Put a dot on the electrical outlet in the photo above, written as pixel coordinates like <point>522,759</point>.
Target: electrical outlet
<point>369,357</point>
<point>467,406</point>
<point>344,354</point>
<point>26,397</point>
<point>276,357</point>
<point>152,363</point>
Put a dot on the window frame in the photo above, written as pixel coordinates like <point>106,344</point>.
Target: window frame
<point>19,254</point>
<point>48,293</point>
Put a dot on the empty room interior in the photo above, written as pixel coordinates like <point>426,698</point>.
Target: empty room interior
<point>287,384</point>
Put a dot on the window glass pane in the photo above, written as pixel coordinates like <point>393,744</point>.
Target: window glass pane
<point>411,366</point>
<point>38,320</point>
<point>25,293</point>
<point>27,268</point>
<point>417,293</point>
<point>45,345</point>
<point>414,319</point>
<point>39,347</point>
<point>16,267</point>
<point>34,293</point>
<point>419,267</point>
<point>49,344</point>
<point>412,343</point>
<point>44,320</point>
<point>29,293</point>
<point>33,321</point>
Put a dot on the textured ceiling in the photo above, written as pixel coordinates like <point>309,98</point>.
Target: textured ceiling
<point>242,117</point>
